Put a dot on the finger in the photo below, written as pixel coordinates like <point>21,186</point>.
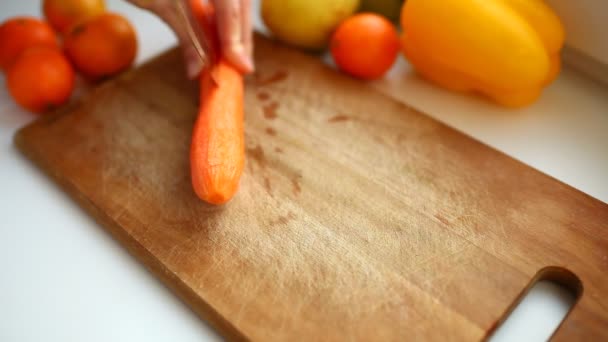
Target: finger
<point>247,30</point>
<point>194,63</point>
<point>170,12</point>
<point>229,25</point>
<point>193,60</point>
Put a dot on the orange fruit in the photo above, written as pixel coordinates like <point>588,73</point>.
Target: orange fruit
<point>365,45</point>
<point>62,14</point>
<point>101,46</point>
<point>40,79</point>
<point>20,33</point>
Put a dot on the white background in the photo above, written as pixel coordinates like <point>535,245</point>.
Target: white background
<point>62,278</point>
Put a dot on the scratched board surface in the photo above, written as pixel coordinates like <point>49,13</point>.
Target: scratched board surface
<point>357,217</point>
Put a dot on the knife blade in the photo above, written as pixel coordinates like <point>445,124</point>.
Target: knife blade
<point>199,40</point>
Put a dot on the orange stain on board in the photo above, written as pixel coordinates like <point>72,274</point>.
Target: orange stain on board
<point>442,219</point>
<point>270,110</point>
<point>257,154</point>
<point>263,96</point>
<point>271,131</point>
<point>278,76</point>
<point>267,185</point>
<point>295,185</point>
<point>338,118</point>
<point>283,219</point>
<point>379,139</point>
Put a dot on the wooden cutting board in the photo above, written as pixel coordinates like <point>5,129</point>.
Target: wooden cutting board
<point>357,218</point>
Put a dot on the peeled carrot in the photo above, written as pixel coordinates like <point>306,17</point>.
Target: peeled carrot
<point>217,151</point>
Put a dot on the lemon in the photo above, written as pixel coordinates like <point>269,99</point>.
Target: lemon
<point>306,23</point>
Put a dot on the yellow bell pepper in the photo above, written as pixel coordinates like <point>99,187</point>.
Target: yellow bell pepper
<point>505,49</point>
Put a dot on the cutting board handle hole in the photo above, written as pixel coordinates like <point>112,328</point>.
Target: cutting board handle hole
<point>541,307</point>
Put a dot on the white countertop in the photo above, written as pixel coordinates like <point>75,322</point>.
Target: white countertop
<point>65,279</point>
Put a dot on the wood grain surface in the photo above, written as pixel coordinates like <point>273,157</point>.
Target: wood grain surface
<point>357,218</point>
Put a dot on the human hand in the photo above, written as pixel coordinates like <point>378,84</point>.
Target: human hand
<point>233,20</point>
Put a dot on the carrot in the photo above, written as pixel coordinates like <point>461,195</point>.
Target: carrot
<point>217,151</point>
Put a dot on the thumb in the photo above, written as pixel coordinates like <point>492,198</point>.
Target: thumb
<point>178,18</point>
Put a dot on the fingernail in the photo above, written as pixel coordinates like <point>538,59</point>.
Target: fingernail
<point>194,63</point>
<point>237,56</point>
<point>244,59</point>
<point>248,62</point>
<point>194,67</point>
